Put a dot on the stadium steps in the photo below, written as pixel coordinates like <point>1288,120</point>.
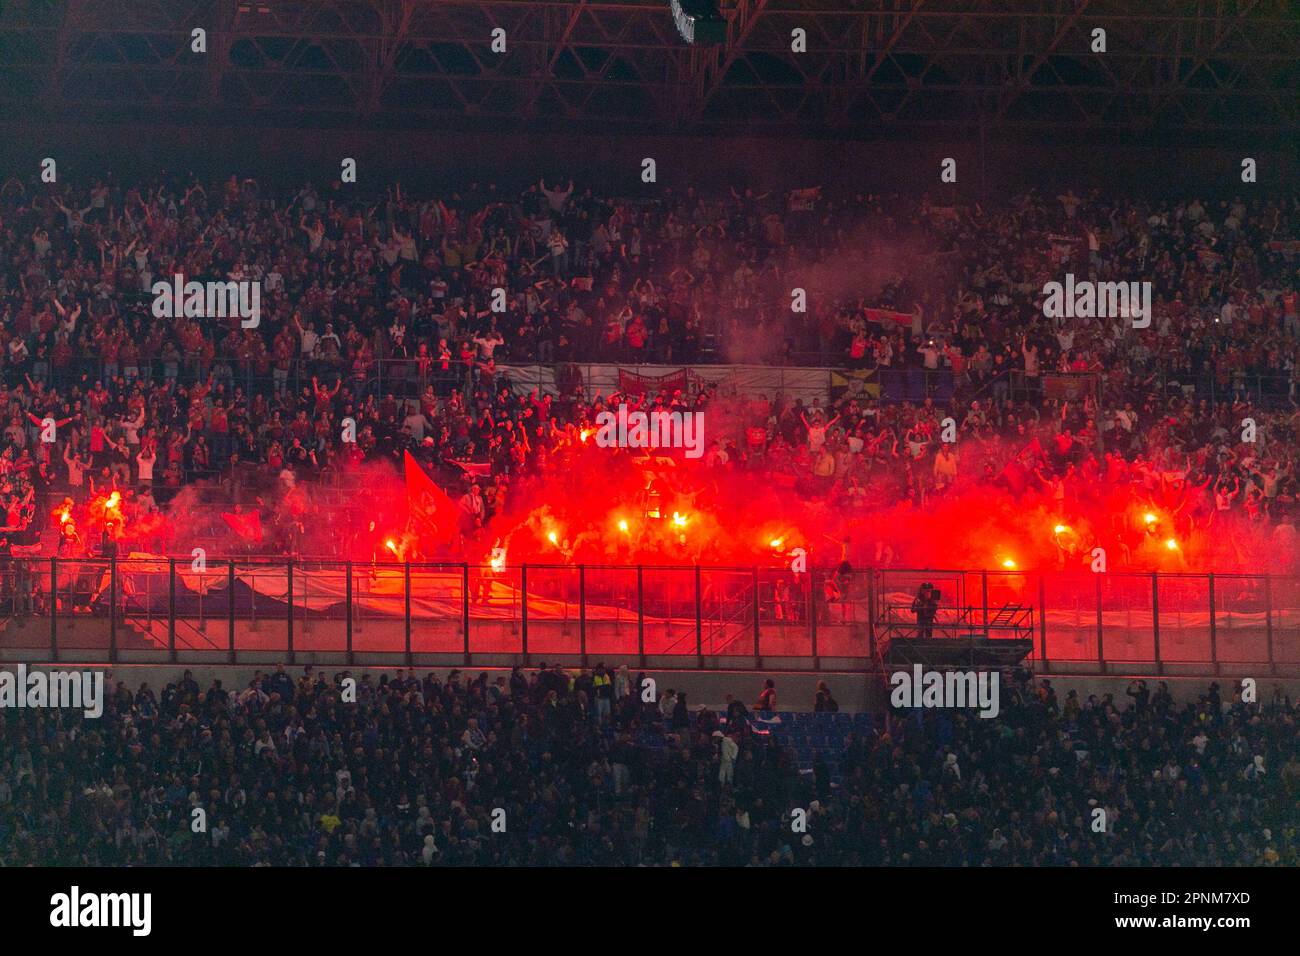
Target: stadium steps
<point>154,632</point>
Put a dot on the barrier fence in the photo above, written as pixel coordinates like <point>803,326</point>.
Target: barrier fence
<point>267,610</point>
<point>823,374</point>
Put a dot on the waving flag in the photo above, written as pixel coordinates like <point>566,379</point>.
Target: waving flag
<point>882,316</point>
<point>248,526</point>
<point>432,510</point>
<point>475,469</point>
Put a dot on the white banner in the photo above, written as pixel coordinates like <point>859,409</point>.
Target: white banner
<point>730,379</point>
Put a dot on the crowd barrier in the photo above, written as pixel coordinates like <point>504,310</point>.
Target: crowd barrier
<point>275,609</point>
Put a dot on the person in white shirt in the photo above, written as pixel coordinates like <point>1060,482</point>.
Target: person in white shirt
<point>727,762</point>
<point>472,506</point>
<point>559,247</point>
<point>132,426</point>
<point>144,462</point>
<point>556,198</point>
<point>308,336</point>
<point>817,431</point>
<point>417,423</point>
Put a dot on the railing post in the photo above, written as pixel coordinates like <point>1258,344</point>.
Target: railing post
<point>1042,620</point>
<point>1268,620</point>
<point>288,571</point>
<point>758,657</point>
<point>1214,631</point>
<point>230,608</point>
<point>464,607</point>
<point>347,604</point>
<point>54,610</point>
<point>523,609</point>
<point>984,598</point>
<point>640,616</point>
<point>582,612</point>
<point>699,620</point>
<point>1155,619</point>
<point>171,610</point>
<point>812,616</point>
<point>872,601</point>
<point>1101,653</point>
<point>406,592</point>
<point>112,610</point>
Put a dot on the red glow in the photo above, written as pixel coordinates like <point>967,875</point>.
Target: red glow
<point>592,505</point>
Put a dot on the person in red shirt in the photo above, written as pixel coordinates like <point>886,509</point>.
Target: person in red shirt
<point>858,350</point>
<point>636,336</point>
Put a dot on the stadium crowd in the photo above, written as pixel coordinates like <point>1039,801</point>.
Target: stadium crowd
<point>381,311</point>
<point>574,768</point>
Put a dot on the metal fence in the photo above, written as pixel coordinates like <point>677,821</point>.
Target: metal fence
<point>405,378</point>
<point>265,610</point>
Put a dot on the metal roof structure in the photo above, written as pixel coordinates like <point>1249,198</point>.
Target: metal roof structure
<point>870,66</point>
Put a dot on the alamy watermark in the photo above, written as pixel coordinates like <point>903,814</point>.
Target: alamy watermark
<point>208,300</point>
<point>1098,300</point>
<point>657,429</point>
<point>79,690</point>
<point>76,909</point>
<point>921,688</point>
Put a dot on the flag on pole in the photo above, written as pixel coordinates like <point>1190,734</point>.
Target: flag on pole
<point>431,509</point>
<point>247,525</point>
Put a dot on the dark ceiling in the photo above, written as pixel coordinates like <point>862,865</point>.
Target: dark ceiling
<point>872,67</point>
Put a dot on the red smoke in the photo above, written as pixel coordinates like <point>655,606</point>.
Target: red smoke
<point>597,505</point>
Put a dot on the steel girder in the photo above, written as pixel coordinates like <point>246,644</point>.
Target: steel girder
<point>869,65</point>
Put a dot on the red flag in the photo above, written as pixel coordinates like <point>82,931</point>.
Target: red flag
<point>431,508</point>
<point>247,526</point>
<point>475,469</point>
<point>633,383</point>
<point>881,316</point>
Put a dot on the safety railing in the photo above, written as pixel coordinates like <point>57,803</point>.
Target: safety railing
<point>258,610</point>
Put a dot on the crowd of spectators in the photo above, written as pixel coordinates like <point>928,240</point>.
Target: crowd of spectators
<point>576,768</point>
<point>381,310</point>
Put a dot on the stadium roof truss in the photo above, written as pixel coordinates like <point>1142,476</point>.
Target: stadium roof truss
<point>869,65</point>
